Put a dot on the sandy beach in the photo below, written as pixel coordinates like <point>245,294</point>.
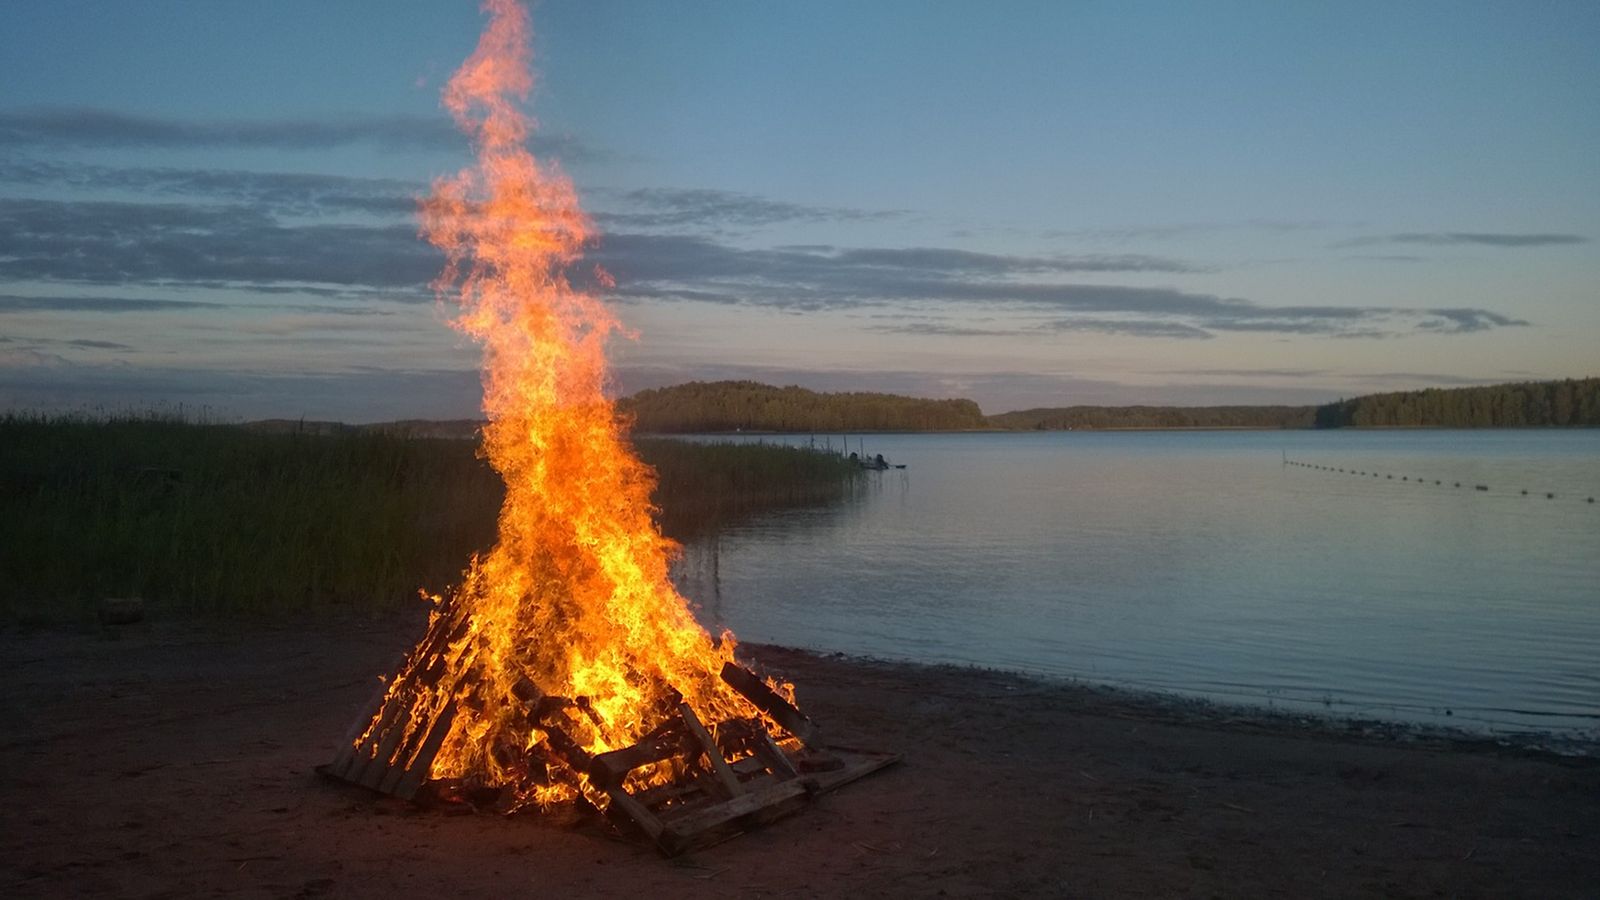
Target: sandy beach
<point>177,760</point>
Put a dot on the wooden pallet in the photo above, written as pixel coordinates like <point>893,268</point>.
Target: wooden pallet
<point>719,799</point>
<point>391,746</point>
<point>735,774</point>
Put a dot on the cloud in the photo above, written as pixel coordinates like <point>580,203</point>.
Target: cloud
<point>1135,327</point>
<point>1386,381</point>
<point>824,275</point>
<point>38,364</point>
<point>70,126</point>
<point>649,208</point>
<point>944,329</point>
<point>1478,238</point>
<point>97,345</point>
<point>965,262</point>
<point>1252,373</point>
<point>17,303</point>
<point>1427,378</point>
<point>306,194</point>
<point>1183,229</point>
<point>1461,321</point>
<point>282,193</point>
<point>812,279</point>
<point>153,243</point>
<point>234,245</point>
<point>1385,257</point>
<point>37,343</point>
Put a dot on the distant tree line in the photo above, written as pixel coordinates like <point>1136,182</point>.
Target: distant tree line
<point>1112,417</point>
<point>1530,404</point>
<point>750,406</point>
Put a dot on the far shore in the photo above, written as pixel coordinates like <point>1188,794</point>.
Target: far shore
<point>177,759</point>
<point>744,433</point>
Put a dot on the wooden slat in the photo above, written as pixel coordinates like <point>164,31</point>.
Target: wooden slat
<point>416,773</point>
<point>378,766</point>
<point>858,764</point>
<point>347,749</point>
<point>682,831</point>
<point>725,777</point>
<point>641,815</point>
<point>435,662</point>
<point>368,763</point>
<point>773,757</point>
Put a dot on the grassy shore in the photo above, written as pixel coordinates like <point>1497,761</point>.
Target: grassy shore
<point>221,520</point>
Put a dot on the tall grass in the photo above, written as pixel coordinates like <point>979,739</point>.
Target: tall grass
<point>221,520</point>
<point>705,486</point>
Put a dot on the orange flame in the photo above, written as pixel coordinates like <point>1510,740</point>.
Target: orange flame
<point>574,599</point>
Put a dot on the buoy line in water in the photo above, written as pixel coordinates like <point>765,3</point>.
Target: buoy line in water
<point>1437,482</point>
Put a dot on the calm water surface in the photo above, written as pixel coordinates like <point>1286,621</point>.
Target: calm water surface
<point>1197,562</point>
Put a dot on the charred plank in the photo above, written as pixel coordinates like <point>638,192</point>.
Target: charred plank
<point>768,701</point>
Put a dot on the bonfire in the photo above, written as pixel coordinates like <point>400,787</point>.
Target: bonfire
<point>566,668</point>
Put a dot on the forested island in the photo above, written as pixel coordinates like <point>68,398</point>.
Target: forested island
<point>724,406</point>
<point>716,406</point>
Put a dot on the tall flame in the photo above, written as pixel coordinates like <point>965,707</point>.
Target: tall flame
<point>574,598</point>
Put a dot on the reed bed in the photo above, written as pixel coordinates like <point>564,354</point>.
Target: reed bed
<point>222,520</point>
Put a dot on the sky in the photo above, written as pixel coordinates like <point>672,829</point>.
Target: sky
<point>211,206</point>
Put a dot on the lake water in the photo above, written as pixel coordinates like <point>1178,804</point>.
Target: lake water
<point>1198,563</point>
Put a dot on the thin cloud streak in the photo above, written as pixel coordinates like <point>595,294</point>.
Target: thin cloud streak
<point>146,243</point>
<point>1511,240</point>
<point>817,279</point>
<point>1384,378</point>
<point>281,193</point>
<point>305,194</point>
<point>77,126</point>
<point>1134,327</point>
<point>23,303</point>
<point>677,208</point>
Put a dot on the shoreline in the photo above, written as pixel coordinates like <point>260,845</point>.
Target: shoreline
<point>179,758</point>
<point>1199,710</point>
<point>1110,430</point>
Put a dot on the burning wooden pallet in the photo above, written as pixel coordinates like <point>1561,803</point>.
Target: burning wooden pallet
<point>734,774</point>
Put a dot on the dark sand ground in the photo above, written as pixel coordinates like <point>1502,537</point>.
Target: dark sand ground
<point>177,761</point>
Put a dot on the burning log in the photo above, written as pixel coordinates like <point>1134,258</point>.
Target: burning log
<point>610,768</point>
<point>770,702</point>
<point>732,776</point>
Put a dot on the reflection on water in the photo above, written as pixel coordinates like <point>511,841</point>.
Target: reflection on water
<point>1197,562</point>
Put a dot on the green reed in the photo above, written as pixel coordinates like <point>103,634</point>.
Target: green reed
<point>204,520</point>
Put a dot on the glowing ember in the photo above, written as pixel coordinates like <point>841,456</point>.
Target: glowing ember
<point>574,600</point>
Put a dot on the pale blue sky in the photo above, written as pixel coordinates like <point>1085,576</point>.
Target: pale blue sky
<point>1025,203</point>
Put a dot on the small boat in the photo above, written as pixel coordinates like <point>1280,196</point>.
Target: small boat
<point>876,463</point>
